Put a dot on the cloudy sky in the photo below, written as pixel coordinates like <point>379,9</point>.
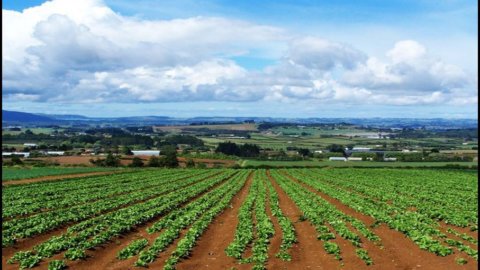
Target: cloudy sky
<point>278,58</point>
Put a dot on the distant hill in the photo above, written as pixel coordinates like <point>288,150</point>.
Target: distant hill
<point>22,117</point>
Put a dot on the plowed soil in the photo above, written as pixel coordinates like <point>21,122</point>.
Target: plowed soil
<point>398,251</point>
<point>395,252</point>
<point>54,177</point>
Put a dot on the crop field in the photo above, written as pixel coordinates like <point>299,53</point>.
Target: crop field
<point>9,173</point>
<point>328,163</point>
<point>310,218</point>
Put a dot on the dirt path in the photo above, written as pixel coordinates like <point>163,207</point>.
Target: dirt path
<point>401,251</point>
<point>209,252</point>
<point>276,241</point>
<point>55,177</point>
<point>308,253</point>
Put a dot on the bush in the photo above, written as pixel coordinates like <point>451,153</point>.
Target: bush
<point>201,165</point>
<point>136,162</point>
<point>190,163</point>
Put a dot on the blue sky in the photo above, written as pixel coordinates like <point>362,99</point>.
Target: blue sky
<point>248,58</point>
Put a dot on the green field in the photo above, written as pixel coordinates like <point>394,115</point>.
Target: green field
<point>165,219</point>
<point>11,173</point>
<point>317,142</point>
<point>314,163</point>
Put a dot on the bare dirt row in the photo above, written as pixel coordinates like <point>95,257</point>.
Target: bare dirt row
<point>396,252</point>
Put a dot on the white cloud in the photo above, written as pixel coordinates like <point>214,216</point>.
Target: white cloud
<point>83,52</point>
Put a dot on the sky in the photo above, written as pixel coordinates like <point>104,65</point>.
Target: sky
<point>272,58</point>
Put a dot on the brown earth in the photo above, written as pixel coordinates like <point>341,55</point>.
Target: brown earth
<point>85,160</point>
<point>104,257</point>
<point>209,251</point>
<point>26,244</point>
<point>396,252</point>
<point>401,251</point>
<point>308,252</point>
<point>55,177</point>
<point>241,127</point>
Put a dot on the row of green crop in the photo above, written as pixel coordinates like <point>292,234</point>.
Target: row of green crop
<point>43,222</point>
<point>98,230</point>
<point>420,228</point>
<point>255,225</point>
<point>129,183</point>
<point>173,223</point>
<point>448,196</point>
<point>9,174</point>
<point>327,219</point>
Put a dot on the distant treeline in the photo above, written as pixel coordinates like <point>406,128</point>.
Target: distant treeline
<point>243,150</point>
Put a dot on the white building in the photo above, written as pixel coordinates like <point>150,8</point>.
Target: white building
<point>30,144</point>
<point>354,159</point>
<point>55,153</point>
<point>318,151</point>
<point>390,159</point>
<point>360,149</point>
<point>337,159</point>
<point>146,152</point>
<point>24,154</point>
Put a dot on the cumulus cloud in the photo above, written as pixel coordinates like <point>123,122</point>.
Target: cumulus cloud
<point>84,52</point>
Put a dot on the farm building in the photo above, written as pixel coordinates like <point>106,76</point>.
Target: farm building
<point>318,151</point>
<point>30,144</point>
<point>337,159</point>
<point>146,152</point>
<point>7,154</point>
<point>361,149</point>
<point>354,159</point>
<point>55,153</point>
<point>390,159</point>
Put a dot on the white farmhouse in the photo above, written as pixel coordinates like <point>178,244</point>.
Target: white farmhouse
<point>337,159</point>
<point>55,153</point>
<point>30,144</point>
<point>146,152</point>
<point>24,154</point>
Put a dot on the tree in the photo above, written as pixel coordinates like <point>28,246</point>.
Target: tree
<point>378,156</point>
<point>434,150</point>
<point>136,162</point>
<point>154,161</point>
<point>201,165</point>
<point>112,161</point>
<point>170,156</point>
<point>16,160</point>
<point>336,148</point>
<point>126,150</point>
<point>190,163</point>
<point>304,152</point>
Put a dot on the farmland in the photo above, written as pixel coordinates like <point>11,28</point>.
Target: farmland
<point>325,218</point>
<point>10,173</point>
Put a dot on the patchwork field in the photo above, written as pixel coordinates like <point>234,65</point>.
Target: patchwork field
<point>336,218</point>
<point>9,173</point>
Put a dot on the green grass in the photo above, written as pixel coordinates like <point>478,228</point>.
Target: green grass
<point>12,173</point>
<point>34,130</point>
<point>314,163</point>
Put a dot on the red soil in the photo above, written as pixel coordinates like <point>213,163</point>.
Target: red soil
<point>209,252</point>
<point>398,252</point>
<point>104,257</point>
<point>26,244</point>
<point>53,177</point>
<point>126,160</point>
<point>308,252</point>
<point>401,251</point>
